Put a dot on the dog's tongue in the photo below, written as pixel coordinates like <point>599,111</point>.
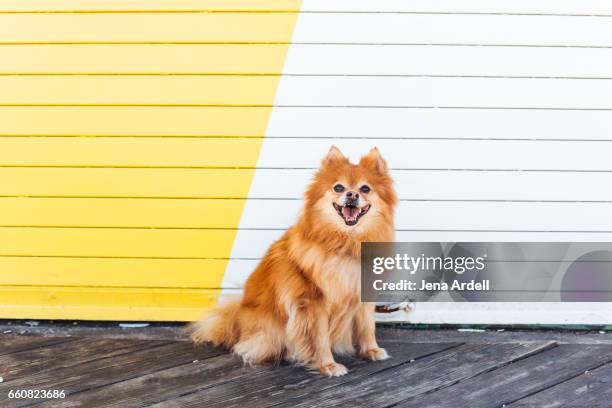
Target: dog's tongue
<point>350,212</point>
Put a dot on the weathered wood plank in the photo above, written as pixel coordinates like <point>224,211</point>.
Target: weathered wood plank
<point>590,389</point>
<point>12,344</point>
<point>108,330</point>
<point>66,354</point>
<point>430,373</point>
<point>129,373</point>
<point>491,336</point>
<point>169,382</point>
<point>510,383</point>
<point>271,384</point>
<point>109,370</point>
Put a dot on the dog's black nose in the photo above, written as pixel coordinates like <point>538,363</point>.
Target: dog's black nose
<point>352,195</point>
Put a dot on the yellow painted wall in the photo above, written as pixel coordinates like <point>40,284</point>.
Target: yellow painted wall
<point>125,154</point>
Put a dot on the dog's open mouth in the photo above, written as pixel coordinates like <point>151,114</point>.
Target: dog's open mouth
<point>350,213</point>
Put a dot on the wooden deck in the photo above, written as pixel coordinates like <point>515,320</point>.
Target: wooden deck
<point>121,372</point>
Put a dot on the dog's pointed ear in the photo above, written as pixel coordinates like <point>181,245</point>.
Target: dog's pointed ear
<point>375,161</point>
<point>333,155</point>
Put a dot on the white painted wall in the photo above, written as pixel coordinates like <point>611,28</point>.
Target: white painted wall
<point>495,117</point>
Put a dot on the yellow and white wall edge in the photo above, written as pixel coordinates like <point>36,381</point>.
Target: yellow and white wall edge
<point>144,169</point>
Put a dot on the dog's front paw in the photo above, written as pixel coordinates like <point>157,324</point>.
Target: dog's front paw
<point>333,370</point>
<point>375,354</point>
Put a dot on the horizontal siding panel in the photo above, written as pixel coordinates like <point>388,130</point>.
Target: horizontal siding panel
<point>67,212</point>
<point>282,153</point>
<point>306,59</point>
<point>445,92</point>
<point>266,184</point>
<point>122,182</point>
<point>440,123</point>
<point>138,243</point>
<point>314,122</point>
<point>445,154</point>
<point>307,91</point>
<point>134,121</point>
<point>115,272</point>
<point>186,152</point>
<point>83,303</point>
<point>331,28</point>
<point>145,27</point>
<point>144,58</point>
<point>134,90</point>
<point>140,5</point>
<point>452,29</point>
<point>464,6</point>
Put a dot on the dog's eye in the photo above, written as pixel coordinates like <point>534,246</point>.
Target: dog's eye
<point>338,188</point>
<point>365,189</point>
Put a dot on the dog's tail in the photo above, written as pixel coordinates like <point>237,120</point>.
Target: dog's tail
<point>220,326</point>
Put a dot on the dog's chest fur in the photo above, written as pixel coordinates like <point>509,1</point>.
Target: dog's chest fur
<point>336,275</point>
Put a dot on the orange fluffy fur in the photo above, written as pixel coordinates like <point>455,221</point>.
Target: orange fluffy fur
<point>302,301</point>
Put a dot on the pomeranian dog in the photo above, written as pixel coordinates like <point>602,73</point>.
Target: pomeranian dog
<point>302,302</point>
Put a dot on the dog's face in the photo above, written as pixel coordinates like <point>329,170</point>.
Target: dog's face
<point>352,198</point>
